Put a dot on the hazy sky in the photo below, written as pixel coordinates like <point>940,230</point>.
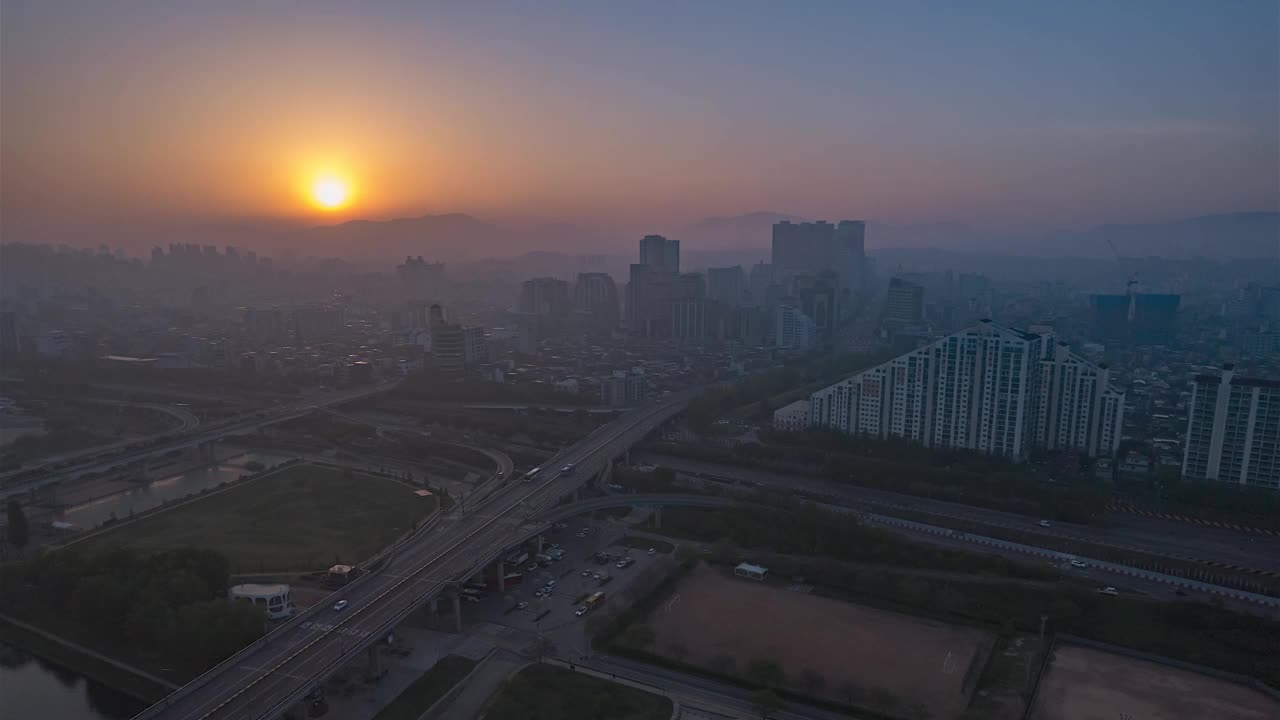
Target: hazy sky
<point>1001,114</point>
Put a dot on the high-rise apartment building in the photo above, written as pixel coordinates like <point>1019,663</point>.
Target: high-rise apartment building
<point>904,304</point>
<point>544,296</point>
<point>988,388</point>
<point>653,285</point>
<point>318,323</point>
<point>1233,430</point>
<point>420,280</point>
<point>726,285</point>
<point>793,330</point>
<point>658,252</point>
<point>596,294</point>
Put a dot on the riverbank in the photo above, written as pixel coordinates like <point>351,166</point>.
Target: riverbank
<point>81,660</point>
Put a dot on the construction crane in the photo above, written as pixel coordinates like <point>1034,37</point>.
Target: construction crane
<point>1130,285</point>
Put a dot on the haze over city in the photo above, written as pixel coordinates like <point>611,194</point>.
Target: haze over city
<point>986,127</point>
<point>567,360</point>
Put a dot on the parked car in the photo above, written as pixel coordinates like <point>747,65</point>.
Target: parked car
<point>586,573</point>
<point>522,605</point>
<point>1108,590</point>
<point>653,551</point>
<point>1079,564</point>
<point>1044,523</point>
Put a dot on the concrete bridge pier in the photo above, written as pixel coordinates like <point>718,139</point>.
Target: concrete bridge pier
<point>657,516</point>
<point>539,544</point>
<point>502,579</point>
<point>375,661</point>
<point>435,606</point>
<point>457,612</point>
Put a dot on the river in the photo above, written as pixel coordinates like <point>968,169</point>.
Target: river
<point>32,689</point>
<point>91,514</point>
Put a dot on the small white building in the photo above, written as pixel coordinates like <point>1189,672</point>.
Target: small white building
<point>793,417</point>
<point>275,598</point>
<point>751,572</point>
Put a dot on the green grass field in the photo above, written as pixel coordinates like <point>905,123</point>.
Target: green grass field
<point>434,683</point>
<point>305,517</point>
<point>542,692</point>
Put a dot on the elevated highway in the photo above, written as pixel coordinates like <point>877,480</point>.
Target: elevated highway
<point>275,673</point>
<point>104,458</point>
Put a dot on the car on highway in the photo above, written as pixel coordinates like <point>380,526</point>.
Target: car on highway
<point>340,605</point>
<point>1108,590</point>
<point>585,573</point>
<point>580,534</point>
<point>582,610</point>
<point>1045,523</point>
<point>567,469</point>
<point>1079,564</point>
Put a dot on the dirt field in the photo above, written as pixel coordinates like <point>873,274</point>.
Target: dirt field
<point>905,666</point>
<point>1086,684</point>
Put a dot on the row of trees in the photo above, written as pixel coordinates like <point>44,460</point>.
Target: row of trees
<point>903,467</point>
<point>170,604</point>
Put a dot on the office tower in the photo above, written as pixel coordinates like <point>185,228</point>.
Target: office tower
<point>1233,430</point>
<point>988,388</point>
<point>595,293</point>
<point>658,252</point>
<point>1135,319</point>
<point>726,285</point>
<point>904,304</point>
<point>793,330</point>
<point>419,280</point>
<point>544,296</point>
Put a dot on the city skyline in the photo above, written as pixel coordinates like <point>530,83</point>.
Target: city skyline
<point>639,120</point>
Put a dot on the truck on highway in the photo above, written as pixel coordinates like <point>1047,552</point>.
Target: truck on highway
<point>532,474</point>
<point>594,600</point>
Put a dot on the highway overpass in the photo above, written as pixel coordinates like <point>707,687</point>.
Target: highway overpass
<point>276,673</point>
<point>104,458</point>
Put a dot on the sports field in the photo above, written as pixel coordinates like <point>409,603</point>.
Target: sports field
<point>901,665</point>
<point>1087,684</point>
<point>303,517</point>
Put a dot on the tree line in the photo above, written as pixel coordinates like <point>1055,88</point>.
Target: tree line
<point>169,605</point>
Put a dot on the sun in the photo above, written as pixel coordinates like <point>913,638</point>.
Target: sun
<point>330,193</point>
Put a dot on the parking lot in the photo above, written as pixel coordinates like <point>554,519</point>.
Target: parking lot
<point>548,598</point>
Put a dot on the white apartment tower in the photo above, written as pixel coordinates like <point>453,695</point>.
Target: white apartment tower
<point>988,388</point>
<point>1233,430</point>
